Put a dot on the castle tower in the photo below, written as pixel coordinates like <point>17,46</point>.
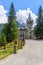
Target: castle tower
<point>29,26</point>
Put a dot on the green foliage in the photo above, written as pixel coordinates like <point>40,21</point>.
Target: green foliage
<point>38,30</point>
<point>2,39</point>
<point>11,28</point>
<point>9,50</point>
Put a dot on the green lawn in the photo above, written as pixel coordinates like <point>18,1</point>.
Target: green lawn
<point>9,50</point>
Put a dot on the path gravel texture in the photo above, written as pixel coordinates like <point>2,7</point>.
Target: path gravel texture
<point>31,54</point>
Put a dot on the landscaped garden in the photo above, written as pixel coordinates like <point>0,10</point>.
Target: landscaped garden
<point>10,48</point>
<point>9,42</point>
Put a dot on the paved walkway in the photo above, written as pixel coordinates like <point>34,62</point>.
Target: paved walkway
<point>31,54</point>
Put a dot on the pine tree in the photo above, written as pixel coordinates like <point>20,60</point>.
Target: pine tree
<point>38,30</point>
<point>11,28</point>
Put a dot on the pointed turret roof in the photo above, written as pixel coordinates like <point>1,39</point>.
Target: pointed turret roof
<point>29,20</point>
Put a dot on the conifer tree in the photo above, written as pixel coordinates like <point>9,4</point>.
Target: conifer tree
<point>11,28</point>
<point>38,30</point>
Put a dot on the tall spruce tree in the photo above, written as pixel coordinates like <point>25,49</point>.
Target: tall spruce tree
<point>11,28</point>
<point>38,30</point>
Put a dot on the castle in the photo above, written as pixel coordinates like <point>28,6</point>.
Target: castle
<point>27,31</point>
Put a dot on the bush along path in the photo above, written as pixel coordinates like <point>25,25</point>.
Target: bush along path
<point>18,44</point>
<point>11,47</point>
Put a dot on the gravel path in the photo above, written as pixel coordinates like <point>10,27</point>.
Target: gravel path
<point>31,54</point>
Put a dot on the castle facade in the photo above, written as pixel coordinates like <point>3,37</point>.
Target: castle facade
<point>27,31</point>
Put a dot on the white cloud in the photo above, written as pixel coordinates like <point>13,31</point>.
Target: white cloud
<point>22,15</point>
<point>3,17</point>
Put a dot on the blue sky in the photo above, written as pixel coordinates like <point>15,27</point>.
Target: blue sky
<point>22,4</point>
<point>22,7</point>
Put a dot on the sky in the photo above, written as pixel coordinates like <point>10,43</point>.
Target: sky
<point>22,7</point>
<point>22,4</point>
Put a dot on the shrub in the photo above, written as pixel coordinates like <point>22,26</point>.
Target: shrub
<point>3,40</point>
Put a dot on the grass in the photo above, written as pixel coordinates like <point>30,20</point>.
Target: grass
<point>5,53</point>
<point>9,50</point>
